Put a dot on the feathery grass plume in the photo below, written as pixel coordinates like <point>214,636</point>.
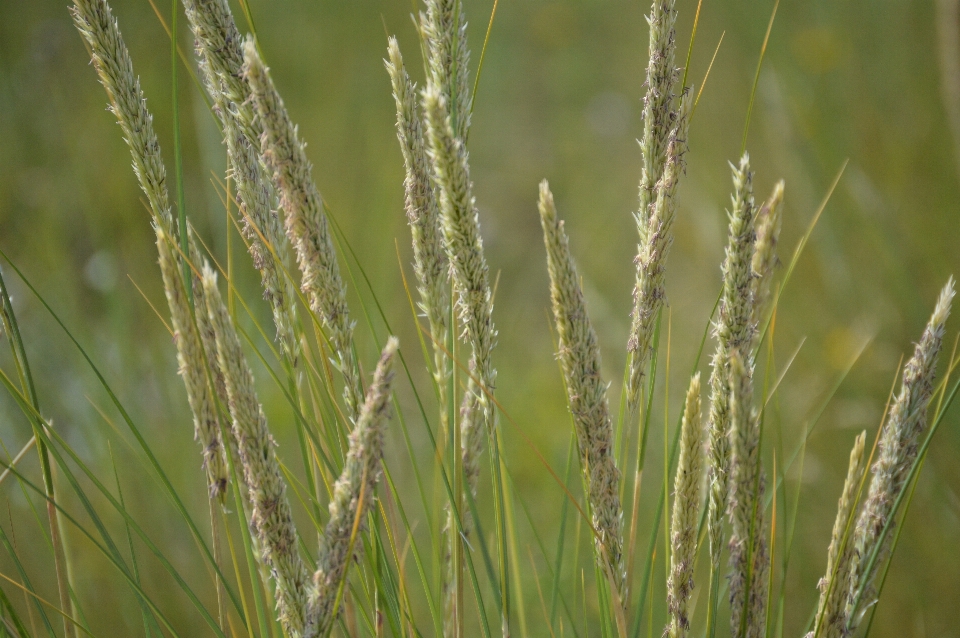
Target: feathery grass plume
<point>898,448</point>
<point>193,363</point>
<point>835,584</point>
<point>218,41</point>
<point>464,246</point>
<point>579,354</point>
<point>768,224</point>
<point>733,331</point>
<point>688,498</point>
<point>220,60</point>
<point>652,253</point>
<point>444,27</point>
<point>658,115</point>
<point>423,213</point>
<point>353,496</point>
<point>306,222</point>
<point>94,19</point>
<point>271,514</point>
<point>748,553</point>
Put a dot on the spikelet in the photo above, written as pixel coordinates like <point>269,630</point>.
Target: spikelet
<point>306,222</point>
<point>748,554</point>
<point>423,213</point>
<point>219,41</point>
<point>658,112</point>
<point>733,330</point>
<point>835,584</point>
<point>898,448</point>
<point>220,59</point>
<point>94,19</point>
<point>353,496</point>
<point>193,364</point>
<point>579,354</point>
<point>688,498</point>
<point>652,254</point>
<point>271,515</point>
<point>464,247</point>
<point>769,219</point>
<point>444,26</point>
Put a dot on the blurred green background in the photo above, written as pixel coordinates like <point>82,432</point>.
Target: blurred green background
<point>559,97</point>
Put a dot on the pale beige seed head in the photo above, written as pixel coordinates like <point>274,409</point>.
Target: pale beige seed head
<point>658,114</point>
<point>306,222</point>
<point>747,538</point>
<point>353,496</point>
<point>579,354</point>
<point>648,293</point>
<point>220,60</point>
<point>898,448</point>
<point>460,224</point>
<point>272,518</point>
<point>193,365</point>
<point>769,219</point>
<point>94,19</point>
<point>733,330</point>
<point>444,27</point>
<point>423,212</point>
<point>835,584</point>
<point>688,499</point>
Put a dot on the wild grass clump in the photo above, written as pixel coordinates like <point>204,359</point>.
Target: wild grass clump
<point>326,548</point>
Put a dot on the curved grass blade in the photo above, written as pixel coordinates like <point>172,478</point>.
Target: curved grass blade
<point>168,486</point>
<point>756,77</point>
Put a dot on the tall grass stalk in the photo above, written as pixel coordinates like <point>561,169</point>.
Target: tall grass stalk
<point>94,19</point>
<point>653,222</point>
<point>218,47</point>
<point>353,496</point>
<point>579,355</point>
<point>898,447</point>
<point>688,500</point>
<point>748,543</point>
<point>733,331</point>
<point>270,511</point>
<point>835,584</point>
<point>306,222</point>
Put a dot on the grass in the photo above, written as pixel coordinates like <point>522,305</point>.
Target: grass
<point>322,547</point>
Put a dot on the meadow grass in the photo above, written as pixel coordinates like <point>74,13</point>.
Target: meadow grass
<point>326,548</point>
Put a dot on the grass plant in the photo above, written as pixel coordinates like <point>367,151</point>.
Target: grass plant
<point>355,543</point>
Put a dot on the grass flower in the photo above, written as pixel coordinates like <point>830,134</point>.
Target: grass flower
<point>218,47</point>
<point>271,514</point>
<point>444,27</point>
<point>835,584</point>
<point>769,219</point>
<point>898,448</point>
<point>352,496</point>
<point>464,247</point>
<point>748,547</point>
<point>688,498</point>
<point>733,331</point>
<point>655,245</point>
<point>579,354</point>
<point>423,213</point>
<point>94,19</point>
<point>306,222</point>
<point>658,115</point>
<point>193,363</point>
